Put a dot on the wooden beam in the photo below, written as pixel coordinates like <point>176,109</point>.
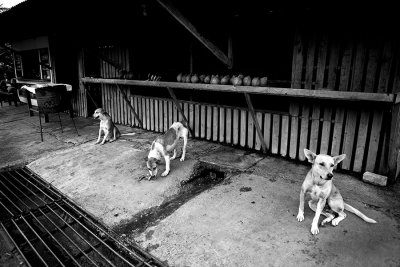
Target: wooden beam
<point>130,106</point>
<point>255,121</point>
<point>297,93</point>
<point>178,106</point>
<point>167,5</point>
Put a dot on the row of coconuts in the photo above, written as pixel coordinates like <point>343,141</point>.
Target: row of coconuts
<point>236,80</point>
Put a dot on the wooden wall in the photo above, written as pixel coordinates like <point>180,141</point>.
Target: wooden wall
<point>344,63</point>
<point>360,130</point>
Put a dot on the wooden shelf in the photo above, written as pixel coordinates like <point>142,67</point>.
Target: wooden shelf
<point>290,92</point>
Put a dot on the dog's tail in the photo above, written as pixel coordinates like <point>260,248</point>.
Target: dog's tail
<point>358,213</point>
<point>129,134</point>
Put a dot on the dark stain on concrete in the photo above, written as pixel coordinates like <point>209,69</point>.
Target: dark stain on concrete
<point>149,234</point>
<point>205,177</point>
<point>245,189</point>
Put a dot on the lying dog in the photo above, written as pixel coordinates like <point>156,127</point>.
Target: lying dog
<point>318,183</point>
<point>164,144</point>
<point>107,127</point>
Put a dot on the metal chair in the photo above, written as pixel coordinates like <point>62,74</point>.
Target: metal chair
<point>51,99</point>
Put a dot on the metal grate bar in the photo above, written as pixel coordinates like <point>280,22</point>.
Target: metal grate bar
<point>48,229</point>
<point>44,228</point>
<point>14,243</point>
<point>56,214</point>
<point>141,258</point>
<point>27,241</point>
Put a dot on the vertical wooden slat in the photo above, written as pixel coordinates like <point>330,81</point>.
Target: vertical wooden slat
<point>197,120</point>
<point>333,64</point>
<point>387,60</point>
<point>228,130</point>
<point>310,62</point>
<point>166,116</point>
<point>337,131</point>
<point>221,124</point>
<point>203,121</point>
<point>215,123</point>
<point>209,122</point>
<point>144,114</point>
<point>259,116</point>
<point>160,115</point>
<point>131,117</point>
<point>372,66</point>
<point>326,130</point>
<point>321,62</point>
<point>284,135</point>
<point>314,128</point>
<point>243,126</point>
<point>152,113</point>
<point>267,130</point>
<point>170,113</point>
<point>250,131</point>
<point>348,138</point>
<point>185,109</point>
<point>191,117</point>
<point>156,116</point>
<point>275,133</point>
<point>235,128</point>
<point>294,129</point>
<point>361,141</point>
<point>358,68</point>
<point>305,116</point>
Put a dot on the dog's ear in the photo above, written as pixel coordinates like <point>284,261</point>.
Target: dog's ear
<point>338,159</point>
<point>310,155</point>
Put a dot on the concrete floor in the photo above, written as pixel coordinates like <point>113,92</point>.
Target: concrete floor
<point>190,218</point>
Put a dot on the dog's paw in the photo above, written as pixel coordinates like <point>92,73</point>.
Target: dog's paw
<point>300,217</point>
<point>182,159</point>
<point>335,222</point>
<point>314,230</point>
<point>165,173</point>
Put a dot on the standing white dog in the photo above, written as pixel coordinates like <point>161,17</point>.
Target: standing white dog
<point>164,144</point>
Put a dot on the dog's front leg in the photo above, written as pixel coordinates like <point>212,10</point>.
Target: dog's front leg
<point>300,214</point>
<point>167,161</point>
<point>106,132</point>
<point>184,147</point>
<point>114,135</point>
<point>98,139</point>
<point>320,207</point>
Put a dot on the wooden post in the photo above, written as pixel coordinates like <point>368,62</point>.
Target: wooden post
<point>171,92</point>
<point>394,143</point>
<point>130,106</point>
<point>253,115</point>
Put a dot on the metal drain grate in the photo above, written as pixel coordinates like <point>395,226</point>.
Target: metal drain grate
<point>47,229</point>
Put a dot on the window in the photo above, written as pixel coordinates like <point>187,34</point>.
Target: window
<point>33,64</point>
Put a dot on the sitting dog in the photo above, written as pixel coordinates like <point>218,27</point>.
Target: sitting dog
<point>107,127</point>
<point>164,144</point>
<point>318,183</point>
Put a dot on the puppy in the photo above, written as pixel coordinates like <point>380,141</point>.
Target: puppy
<point>164,144</point>
<point>107,127</point>
<point>318,183</point>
